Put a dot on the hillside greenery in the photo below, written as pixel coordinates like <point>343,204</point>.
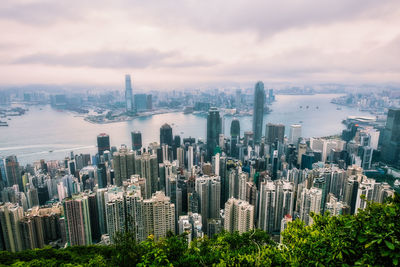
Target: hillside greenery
<point>371,237</point>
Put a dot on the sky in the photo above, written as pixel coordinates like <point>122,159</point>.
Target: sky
<point>187,43</point>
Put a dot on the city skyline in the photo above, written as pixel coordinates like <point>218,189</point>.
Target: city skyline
<point>199,133</point>
<point>231,44</point>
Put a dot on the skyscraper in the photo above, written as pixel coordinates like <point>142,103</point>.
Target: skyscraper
<point>239,216</point>
<point>149,170</point>
<point>274,132</point>
<point>136,140</point>
<point>3,175</point>
<point>310,202</point>
<point>235,136</point>
<point>266,206</point>
<point>13,172</point>
<point>213,130</point>
<point>77,220</point>
<point>190,158</point>
<point>390,145</point>
<point>294,133</point>
<point>284,202</point>
<point>190,224</point>
<point>115,212</point>
<point>159,215</point>
<point>209,190</point>
<point>128,95</point>
<point>258,111</point>
<point>103,143</point>
<point>10,215</point>
<point>140,102</point>
<point>166,135</point>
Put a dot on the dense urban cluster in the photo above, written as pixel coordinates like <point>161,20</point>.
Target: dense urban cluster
<point>182,185</point>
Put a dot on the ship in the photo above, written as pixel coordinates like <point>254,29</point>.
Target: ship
<point>188,110</point>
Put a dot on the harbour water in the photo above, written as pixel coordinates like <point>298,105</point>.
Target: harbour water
<point>42,129</point>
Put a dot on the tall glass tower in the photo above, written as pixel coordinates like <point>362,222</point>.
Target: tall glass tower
<point>235,136</point>
<point>166,135</point>
<point>103,143</point>
<point>128,95</point>
<point>258,112</point>
<point>213,130</point>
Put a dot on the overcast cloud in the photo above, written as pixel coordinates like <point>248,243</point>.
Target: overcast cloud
<point>181,43</point>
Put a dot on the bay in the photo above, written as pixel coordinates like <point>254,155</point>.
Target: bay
<point>43,129</point>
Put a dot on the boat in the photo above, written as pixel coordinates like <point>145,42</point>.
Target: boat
<point>338,108</point>
<point>51,151</point>
<point>3,123</point>
<point>300,121</point>
<point>317,107</point>
<point>306,106</point>
<point>188,110</point>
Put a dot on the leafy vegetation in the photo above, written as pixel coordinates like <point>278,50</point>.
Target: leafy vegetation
<point>371,237</point>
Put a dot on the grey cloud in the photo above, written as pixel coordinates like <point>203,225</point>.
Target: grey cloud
<point>189,63</point>
<point>40,12</point>
<point>114,59</point>
<point>263,16</point>
<point>99,59</point>
<point>306,62</point>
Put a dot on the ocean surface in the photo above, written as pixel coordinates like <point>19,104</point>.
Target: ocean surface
<point>43,129</point>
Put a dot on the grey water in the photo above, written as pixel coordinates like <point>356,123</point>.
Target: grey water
<point>32,136</point>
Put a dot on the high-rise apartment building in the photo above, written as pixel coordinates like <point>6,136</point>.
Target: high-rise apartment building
<point>115,212</point>
<point>149,170</point>
<point>190,159</point>
<point>191,224</point>
<point>10,216</point>
<point>123,165</point>
<point>239,216</point>
<point>267,206</point>
<point>209,190</point>
<point>310,202</point>
<point>335,207</point>
<point>258,111</point>
<point>158,215</point>
<point>77,220</point>
<point>13,172</point>
<point>284,203</point>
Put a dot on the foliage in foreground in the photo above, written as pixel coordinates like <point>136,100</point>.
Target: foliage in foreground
<point>372,237</point>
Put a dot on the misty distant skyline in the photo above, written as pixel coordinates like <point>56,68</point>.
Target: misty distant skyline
<point>183,43</point>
